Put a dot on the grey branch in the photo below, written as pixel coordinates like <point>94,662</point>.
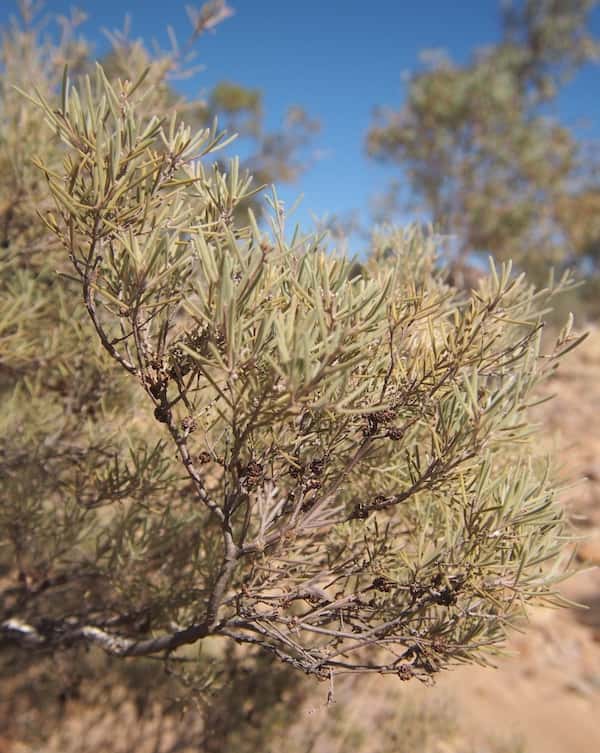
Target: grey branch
<point>116,645</point>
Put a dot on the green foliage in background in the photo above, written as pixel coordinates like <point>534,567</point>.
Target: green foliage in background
<point>481,153</point>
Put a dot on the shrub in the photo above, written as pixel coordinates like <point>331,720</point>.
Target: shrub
<point>212,429</point>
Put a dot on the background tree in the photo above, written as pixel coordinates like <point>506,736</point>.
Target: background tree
<point>480,152</point>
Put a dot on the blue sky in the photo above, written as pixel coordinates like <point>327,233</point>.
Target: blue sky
<point>339,60</point>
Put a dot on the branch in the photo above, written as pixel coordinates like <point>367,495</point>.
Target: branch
<point>90,305</point>
<point>232,554</point>
<point>116,645</point>
<point>89,280</point>
<point>180,440</point>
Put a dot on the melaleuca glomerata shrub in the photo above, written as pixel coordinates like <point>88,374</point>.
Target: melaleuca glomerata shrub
<point>335,467</point>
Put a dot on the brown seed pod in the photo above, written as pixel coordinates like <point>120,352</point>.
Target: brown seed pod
<point>157,389</point>
<point>395,433</point>
<point>360,512</point>
<point>188,424</point>
<point>163,414</point>
<point>253,469</point>
<point>405,672</point>
<point>317,466</point>
<point>382,584</point>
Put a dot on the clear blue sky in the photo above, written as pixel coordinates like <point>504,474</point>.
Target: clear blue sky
<point>339,59</point>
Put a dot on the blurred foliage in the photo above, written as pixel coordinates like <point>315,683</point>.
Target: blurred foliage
<point>83,701</point>
<point>89,702</point>
<point>482,154</point>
